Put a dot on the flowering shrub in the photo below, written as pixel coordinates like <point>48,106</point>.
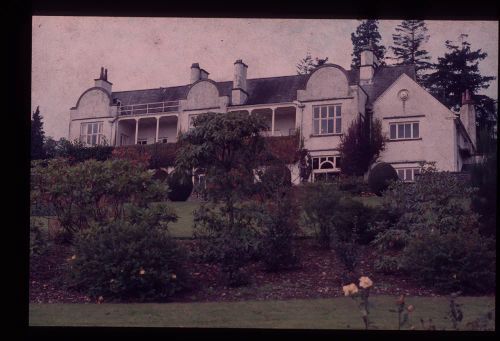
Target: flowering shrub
<point>133,258</point>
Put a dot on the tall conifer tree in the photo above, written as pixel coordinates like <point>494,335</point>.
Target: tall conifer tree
<point>37,136</point>
<point>407,49</point>
<point>366,32</point>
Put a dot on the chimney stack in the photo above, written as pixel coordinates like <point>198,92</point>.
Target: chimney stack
<point>102,81</point>
<point>239,93</point>
<point>368,64</point>
<point>468,115</point>
<point>197,73</point>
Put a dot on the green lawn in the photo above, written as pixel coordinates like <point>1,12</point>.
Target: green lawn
<point>336,313</point>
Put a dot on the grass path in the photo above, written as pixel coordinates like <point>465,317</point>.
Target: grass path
<point>336,313</point>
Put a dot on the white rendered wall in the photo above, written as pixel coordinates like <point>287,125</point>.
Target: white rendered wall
<point>437,128</point>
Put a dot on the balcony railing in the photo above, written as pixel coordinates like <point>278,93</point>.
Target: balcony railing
<point>149,108</point>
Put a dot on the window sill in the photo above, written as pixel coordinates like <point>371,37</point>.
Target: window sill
<point>399,140</point>
<point>323,135</point>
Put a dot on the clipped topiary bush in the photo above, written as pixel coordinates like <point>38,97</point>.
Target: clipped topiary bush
<point>180,186</point>
<point>380,177</point>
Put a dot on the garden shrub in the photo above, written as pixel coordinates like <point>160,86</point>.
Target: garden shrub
<point>232,247</point>
<point>279,231</point>
<point>453,261</point>
<point>354,185</point>
<point>77,151</point>
<point>180,186</point>
<point>92,191</point>
<point>380,177</point>
<point>132,258</point>
<point>38,239</point>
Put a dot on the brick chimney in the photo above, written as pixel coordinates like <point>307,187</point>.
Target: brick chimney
<point>239,94</point>
<point>102,81</point>
<point>368,64</point>
<point>468,115</point>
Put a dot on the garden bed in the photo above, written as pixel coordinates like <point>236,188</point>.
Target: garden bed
<point>320,275</point>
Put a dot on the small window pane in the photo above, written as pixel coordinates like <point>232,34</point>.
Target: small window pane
<point>315,163</point>
<point>323,126</point>
<point>89,128</point>
<point>401,174</point>
<point>338,126</point>
<point>316,127</point>
<point>338,110</point>
<point>409,175</point>
<point>330,126</point>
<point>323,112</point>
<point>393,131</point>
<point>330,158</point>
<point>331,111</point>
<point>401,131</point>
<point>415,130</point>
<point>408,131</point>
<point>316,112</point>
<point>89,139</point>
<point>337,162</point>
<point>323,159</point>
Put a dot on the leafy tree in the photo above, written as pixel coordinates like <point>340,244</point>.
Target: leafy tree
<point>408,46</point>
<point>308,64</point>
<point>366,33</point>
<point>227,147</point>
<point>361,146</point>
<point>37,136</point>
<point>457,71</point>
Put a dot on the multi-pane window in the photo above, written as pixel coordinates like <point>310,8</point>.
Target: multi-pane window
<point>142,141</point>
<point>91,133</point>
<point>325,168</point>
<point>404,130</point>
<point>407,174</point>
<point>327,119</point>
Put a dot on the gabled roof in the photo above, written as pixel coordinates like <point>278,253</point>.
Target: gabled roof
<point>266,90</point>
<point>384,76</point>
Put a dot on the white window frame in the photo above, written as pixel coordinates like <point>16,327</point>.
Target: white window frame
<point>403,173</point>
<point>323,160</point>
<point>142,141</point>
<point>163,139</point>
<point>412,135</point>
<point>322,115</point>
<point>96,133</point>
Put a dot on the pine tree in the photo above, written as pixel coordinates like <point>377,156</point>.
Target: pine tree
<point>457,71</point>
<point>408,40</point>
<point>308,64</point>
<point>37,136</point>
<point>366,32</point>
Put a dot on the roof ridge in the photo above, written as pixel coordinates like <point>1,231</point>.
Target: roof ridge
<point>159,88</point>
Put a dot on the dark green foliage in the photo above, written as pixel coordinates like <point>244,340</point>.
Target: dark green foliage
<point>128,259</point>
<point>457,71</point>
<point>361,146</point>
<point>408,40</point>
<point>484,177</point>
<point>455,261</point>
<point>308,64</point>
<point>380,177</point>
<point>76,151</point>
<point>366,32</point>
<point>38,239</point>
<point>279,221</point>
<point>227,147</point>
<point>228,243</point>
<point>348,254</point>
<point>354,185</point>
<point>276,177</point>
<point>92,191</point>
<point>37,136</point>
<point>180,186</point>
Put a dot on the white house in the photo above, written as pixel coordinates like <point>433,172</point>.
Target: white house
<point>319,106</point>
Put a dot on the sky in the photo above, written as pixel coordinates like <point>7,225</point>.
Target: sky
<point>145,53</point>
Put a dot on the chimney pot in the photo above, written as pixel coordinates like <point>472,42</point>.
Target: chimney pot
<point>105,74</point>
<point>195,73</point>
<point>102,73</point>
